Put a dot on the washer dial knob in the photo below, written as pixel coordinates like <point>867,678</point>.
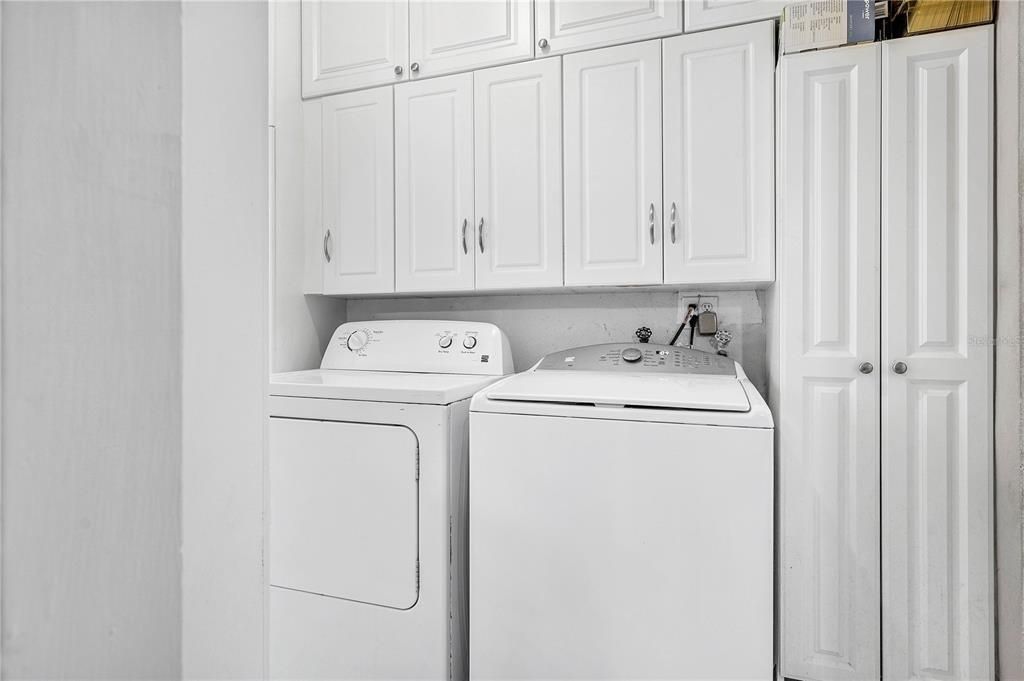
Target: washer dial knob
<point>632,355</point>
<point>469,342</point>
<point>445,341</point>
<point>357,340</point>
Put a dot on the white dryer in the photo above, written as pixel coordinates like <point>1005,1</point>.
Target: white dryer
<point>367,487</point>
<point>621,505</point>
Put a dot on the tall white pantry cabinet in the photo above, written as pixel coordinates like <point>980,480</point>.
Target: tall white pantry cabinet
<point>882,389</point>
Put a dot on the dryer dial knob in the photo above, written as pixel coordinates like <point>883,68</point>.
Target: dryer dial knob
<point>469,342</point>
<point>445,342</point>
<point>632,355</point>
<point>357,340</point>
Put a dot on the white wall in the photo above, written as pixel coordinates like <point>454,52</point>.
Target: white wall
<point>301,325</point>
<point>224,306</point>
<point>1009,412</point>
<point>91,340</point>
<point>539,324</point>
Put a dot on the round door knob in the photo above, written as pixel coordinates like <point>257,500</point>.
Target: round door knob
<point>414,67</point>
<point>866,367</point>
<point>899,367</point>
<point>445,341</point>
<point>357,340</point>
<point>398,70</point>
<point>469,342</point>
<point>542,43</point>
<point>632,355</point>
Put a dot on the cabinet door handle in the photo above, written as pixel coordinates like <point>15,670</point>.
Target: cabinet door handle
<point>866,367</point>
<point>481,235</point>
<point>899,367</point>
<point>672,217</point>
<point>398,70</point>
<point>414,67</point>
<point>542,43</point>
<point>327,241</point>
<point>650,216</point>
<point>465,245</point>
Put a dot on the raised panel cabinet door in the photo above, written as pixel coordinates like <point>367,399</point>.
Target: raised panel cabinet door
<point>434,228</point>
<point>827,413</point>
<point>359,192</point>
<point>704,14</point>
<point>573,25</point>
<point>446,36</point>
<point>353,44</point>
<point>612,163</point>
<point>518,147</point>
<point>937,293</point>
<point>719,156</point>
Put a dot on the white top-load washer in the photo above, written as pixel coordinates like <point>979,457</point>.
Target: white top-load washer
<point>621,505</point>
<point>368,504</point>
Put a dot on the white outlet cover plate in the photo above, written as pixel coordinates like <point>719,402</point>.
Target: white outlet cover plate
<point>685,300</point>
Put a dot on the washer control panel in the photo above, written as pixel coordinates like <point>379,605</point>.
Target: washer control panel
<point>639,357</point>
<point>420,346</point>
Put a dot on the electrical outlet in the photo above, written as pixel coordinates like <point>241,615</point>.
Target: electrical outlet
<point>703,303</point>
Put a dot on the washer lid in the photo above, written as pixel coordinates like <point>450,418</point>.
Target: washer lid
<point>378,386</point>
<point>664,391</point>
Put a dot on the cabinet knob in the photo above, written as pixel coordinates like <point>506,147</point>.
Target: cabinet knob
<point>899,368</point>
<point>398,70</point>
<point>542,43</point>
<point>866,367</point>
<point>414,67</point>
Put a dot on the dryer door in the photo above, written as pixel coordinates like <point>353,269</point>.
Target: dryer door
<point>343,510</point>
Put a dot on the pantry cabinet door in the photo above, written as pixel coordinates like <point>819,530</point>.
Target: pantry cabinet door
<point>703,14</point>
<point>353,44</point>
<point>612,131</point>
<point>446,36</point>
<point>359,192</point>
<point>937,290</point>
<point>828,408</point>
<point>434,228</point>
<point>573,25</point>
<point>519,175</point>
<point>719,104</point>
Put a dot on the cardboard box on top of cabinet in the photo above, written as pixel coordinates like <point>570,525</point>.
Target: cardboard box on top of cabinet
<point>817,24</point>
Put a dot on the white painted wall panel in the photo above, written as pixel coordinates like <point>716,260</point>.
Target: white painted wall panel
<point>224,306</point>
<point>92,401</point>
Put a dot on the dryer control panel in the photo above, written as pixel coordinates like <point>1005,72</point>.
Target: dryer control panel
<point>639,357</point>
<point>420,346</point>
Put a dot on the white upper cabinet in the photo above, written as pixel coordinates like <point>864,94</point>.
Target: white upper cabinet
<point>703,14</point>
<point>572,25</point>
<point>828,405</point>
<point>434,226</point>
<point>612,129</point>
<point>518,146</point>
<point>449,36</point>
<point>719,103</point>
<point>353,44</point>
<point>937,284</point>
<point>358,193</point>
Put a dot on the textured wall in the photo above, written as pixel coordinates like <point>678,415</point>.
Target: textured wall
<point>1009,436</point>
<point>539,324</point>
<point>224,272</point>
<point>91,340</point>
